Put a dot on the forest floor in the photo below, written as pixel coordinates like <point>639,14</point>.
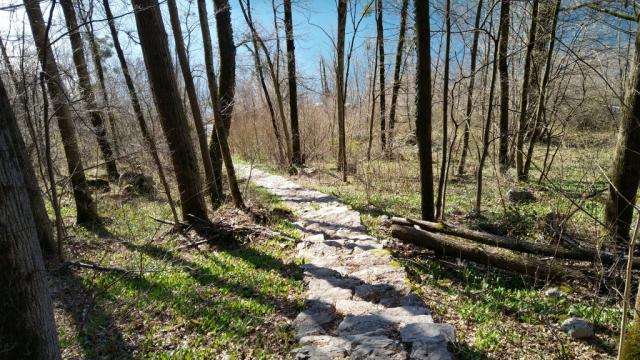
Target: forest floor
<point>497,314</point>
<point>235,299</point>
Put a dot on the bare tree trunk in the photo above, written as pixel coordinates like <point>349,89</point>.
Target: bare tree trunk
<point>293,91</point>
<point>540,110</point>
<point>342,145</point>
<point>625,175</point>
<point>97,62</point>
<point>381,65</point>
<point>472,80</point>
<point>445,113</point>
<point>257,42</point>
<point>85,207</point>
<point>423,107</point>
<point>503,67</point>
<point>214,193</point>
<point>524,94</point>
<point>80,62</point>
<point>155,49</point>
<point>486,131</point>
<point>137,109</point>
<point>27,325</point>
<point>397,75</point>
<point>374,78</point>
<point>223,103</point>
<point>43,224</point>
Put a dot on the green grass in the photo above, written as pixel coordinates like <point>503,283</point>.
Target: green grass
<point>234,299</point>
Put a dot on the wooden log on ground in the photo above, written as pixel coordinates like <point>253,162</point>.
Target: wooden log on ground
<point>483,254</point>
<point>576,253</point>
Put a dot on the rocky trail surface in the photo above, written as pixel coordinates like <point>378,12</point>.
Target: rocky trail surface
<point>358,304</point>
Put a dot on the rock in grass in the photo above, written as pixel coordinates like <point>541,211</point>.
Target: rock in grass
<point>554,292</point>
<point>516,196</point>
<point>577,328</point>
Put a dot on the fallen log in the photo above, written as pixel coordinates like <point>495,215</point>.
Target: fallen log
<point>483,254</point>
<point>576,253</point>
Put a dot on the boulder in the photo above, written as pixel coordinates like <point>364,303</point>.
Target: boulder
<point>577,328</point>
<point>554,292</point>
<point>136,183</point>
<point>516,196</point>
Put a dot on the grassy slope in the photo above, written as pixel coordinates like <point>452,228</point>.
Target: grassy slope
<point>175,304</point>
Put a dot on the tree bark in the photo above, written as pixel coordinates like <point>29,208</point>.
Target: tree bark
<point>38,209</point>
<point>442,179</point>
<point>342,145</point>
<point>397,75</point>
<point>27,325</point>
<point>293,91</point>
<point>469,109</point>
<point>503,67</point>
<point>85,207</point>
<point>214,192</point>
<point>137,109</point>
<point>524,93</point>
<point>423,107</point>
<point>381,74</point>
<point>482,254</point>
<point>625,175</point>
<point>222,102</point>
<point>157,58</point>
<point>80,62</point>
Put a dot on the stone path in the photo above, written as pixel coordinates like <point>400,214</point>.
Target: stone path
<point>358,304</point>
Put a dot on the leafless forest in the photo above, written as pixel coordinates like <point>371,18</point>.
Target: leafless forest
<point>319,179</point>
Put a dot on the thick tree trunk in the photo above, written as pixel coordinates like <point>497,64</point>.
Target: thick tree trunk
<point>27,326</point>
<point>472,80</point>
<point>85,207</point>
<point>155,49</point>
<point>503,67</point>
<point>80,62</point>
<point>293,91</point>
<point>214,193</point>
<point>40,216</point>
<point>482,254</point>
<point>397,75</point>
<point>222,102</point>
<point>381,74</point>
<point>342,145</point>
<point>625,175</point>
<point>137,109</point>
<point>442,179</point>
<point>540,109</point>
<point>524,94</point>
<point>423,107</point>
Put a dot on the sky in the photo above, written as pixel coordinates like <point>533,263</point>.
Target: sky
<point>315,21</point>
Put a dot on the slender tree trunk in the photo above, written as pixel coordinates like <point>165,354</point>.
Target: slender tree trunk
<point>381,65</point>
<point>43,224</point>
<point>524,94</point>
<point>137,109</point>
<point>540,109</point>
<point>80,62</point>
<point>374,78</point>
<point>472,80</point>
<point>85,207</point>
<point>503,67</point>
<point>486,131</point>
<point>293,91</point>
<point>625,175</point>
<point>27,325</point>
<point>423,107</point>
<point>214,193</point>
<point>397,75</point>
<point>342,146</point>
<point>246,12</point>
<point>155,49</point>
<point>445,113</point>
<point>222,103</point>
